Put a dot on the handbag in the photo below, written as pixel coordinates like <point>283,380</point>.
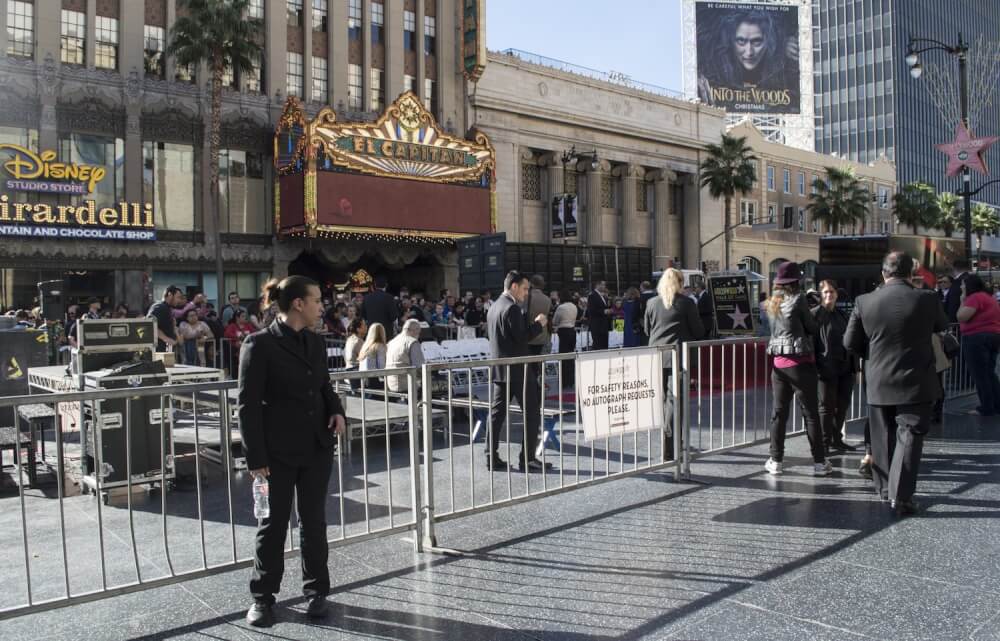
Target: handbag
<point>950,345</point>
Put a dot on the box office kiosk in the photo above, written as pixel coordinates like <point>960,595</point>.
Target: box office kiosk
<point>138,424</point>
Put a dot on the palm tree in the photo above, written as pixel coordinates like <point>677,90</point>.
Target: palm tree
<point>948,217</point>
<point>984,221</point>
<point>916,205</point>
<point>839,200</point>
<point>729,167</point>
<point>218,33</point>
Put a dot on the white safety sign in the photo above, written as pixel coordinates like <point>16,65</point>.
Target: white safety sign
<point>620,392</point>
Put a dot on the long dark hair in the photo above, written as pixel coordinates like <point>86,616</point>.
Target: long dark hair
<point>285,291</point>
<point>975,284</point>
<point>728,70</point>
<point>778,294</point>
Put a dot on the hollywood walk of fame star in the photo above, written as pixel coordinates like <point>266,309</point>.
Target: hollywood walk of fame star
<point>966,151</point>
<point>739,318</point>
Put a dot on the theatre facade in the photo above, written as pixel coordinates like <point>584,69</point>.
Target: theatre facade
<point>388,197</point>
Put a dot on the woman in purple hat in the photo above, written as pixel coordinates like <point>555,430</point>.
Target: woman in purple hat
<point>793,332</point>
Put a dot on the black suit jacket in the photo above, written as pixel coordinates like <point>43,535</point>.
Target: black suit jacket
<point>380,307</point>
<point>893,325</point>
<point>954,298</point>
<point>597,320</point>
<point>509,333</point>
<point>706,310</point>
<point>285,399</point>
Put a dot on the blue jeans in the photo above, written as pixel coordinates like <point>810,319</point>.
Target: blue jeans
<point>980,352</point>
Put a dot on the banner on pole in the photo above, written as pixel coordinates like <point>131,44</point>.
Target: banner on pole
<point>620,392</point>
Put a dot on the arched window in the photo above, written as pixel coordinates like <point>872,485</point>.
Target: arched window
<point>809,274</point>
<point>772,268</point>
<point>752,264</point>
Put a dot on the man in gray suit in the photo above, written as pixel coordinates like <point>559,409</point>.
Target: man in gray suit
<point>893,325</point>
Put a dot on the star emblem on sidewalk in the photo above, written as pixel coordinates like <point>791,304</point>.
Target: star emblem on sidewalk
<point>966,151</point>
<point>739,318</point>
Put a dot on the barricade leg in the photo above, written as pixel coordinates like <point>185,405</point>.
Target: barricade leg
<point>415,471</point>
<point>429,540</point>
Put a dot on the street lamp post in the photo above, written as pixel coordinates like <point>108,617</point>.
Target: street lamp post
<point>913,49</point>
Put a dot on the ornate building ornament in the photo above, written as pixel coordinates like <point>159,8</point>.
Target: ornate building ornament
<point>91,115</point>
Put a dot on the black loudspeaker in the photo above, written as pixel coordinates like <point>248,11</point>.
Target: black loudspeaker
<point>50,297</point>
<point>19,350</point>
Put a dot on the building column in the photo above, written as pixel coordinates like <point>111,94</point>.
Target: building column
<point>554,178</point>
<point>666,221</point>
<point>169,66</point>
<point>594,232</point>
<point>307,51</point>
<point>701,219</point>
<point>452,93</point>
<point>366,58</point>
<point>419,35</point>
<point>3,32</point>
<point>394,52</point>
<point>276,49</point>
<point>337,56</point>
<point>133,18</point>
<point>48,18</point>
<point>90,46</point>
<point>631,176</point>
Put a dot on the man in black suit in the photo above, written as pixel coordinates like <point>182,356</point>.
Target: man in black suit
<point>893,325</point>
<point>599,316</point>
<point>289,419</point>
<point>706,309</point>
<point>953,299</point>
<point>380,307</point>
<point>646,293</point>
<point>509,333</point>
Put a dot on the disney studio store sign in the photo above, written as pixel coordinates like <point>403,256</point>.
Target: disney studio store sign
<point>26,172</point>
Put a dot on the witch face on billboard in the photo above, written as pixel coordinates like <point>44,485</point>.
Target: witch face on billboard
<point>748,57</point>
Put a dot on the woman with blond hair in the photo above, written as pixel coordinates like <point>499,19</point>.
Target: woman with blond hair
<point>671,319</point>
<point>372,354</point>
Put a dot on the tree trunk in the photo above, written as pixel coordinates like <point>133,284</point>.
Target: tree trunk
<point>214,143</point>
<point>726,230</point>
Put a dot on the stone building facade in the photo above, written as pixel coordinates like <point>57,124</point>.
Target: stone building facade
<point>781,196</point>
<point>640,192</point>
<point>90,80</point>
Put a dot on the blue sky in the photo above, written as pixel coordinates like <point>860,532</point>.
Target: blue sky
<point>640,38</point>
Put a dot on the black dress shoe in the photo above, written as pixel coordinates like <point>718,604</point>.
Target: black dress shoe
<point>496,463</point>
<point>865,469</point>
<point>261,615</point>
<point>905,508</point>
<point>842,446</point>
<point>317,608</point>
<point>534,465</point>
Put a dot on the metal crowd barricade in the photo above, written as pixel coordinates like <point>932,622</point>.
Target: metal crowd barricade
<point>138,542</point>
<point>730,401</point>
<point>450,491</point>
<point>957,379</point>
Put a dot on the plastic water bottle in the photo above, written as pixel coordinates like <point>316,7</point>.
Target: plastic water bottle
<point>261,502</point>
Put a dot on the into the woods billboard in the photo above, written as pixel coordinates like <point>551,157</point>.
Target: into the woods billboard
<point>748,56</point>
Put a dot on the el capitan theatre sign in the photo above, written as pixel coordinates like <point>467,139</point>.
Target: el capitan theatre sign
<point>27,171</point>
<point>400,176</point>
